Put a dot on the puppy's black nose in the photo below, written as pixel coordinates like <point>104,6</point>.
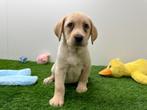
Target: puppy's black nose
<point>78,38</point>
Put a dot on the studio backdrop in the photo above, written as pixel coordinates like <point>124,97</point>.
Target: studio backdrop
<point>27,27</point>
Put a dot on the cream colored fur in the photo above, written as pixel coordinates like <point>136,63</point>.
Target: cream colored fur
<point>73,62</point>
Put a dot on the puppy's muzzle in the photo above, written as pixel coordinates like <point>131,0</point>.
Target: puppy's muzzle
<point>78,39</point>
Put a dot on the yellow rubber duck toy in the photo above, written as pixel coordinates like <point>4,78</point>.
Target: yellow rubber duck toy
<point>136,69</point>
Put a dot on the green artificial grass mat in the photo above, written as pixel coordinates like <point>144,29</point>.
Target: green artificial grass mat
<point>104,93</point>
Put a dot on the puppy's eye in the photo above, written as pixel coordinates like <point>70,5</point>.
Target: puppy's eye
<point>70,25</point>
<point>85,26</point>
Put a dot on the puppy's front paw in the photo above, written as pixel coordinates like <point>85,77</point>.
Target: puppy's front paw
<point>82,87</point>
<point>56,101</point>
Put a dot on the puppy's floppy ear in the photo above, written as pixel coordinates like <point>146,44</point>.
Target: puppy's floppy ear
<point>59,28</point>
<point>93,33</point>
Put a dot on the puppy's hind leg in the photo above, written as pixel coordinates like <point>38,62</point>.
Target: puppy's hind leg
<point>51,78</point>
<point>48,80</point>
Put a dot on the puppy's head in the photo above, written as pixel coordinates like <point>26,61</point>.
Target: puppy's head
<point>76,29</point>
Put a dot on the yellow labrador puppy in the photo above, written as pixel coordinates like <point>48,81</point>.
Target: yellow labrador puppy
<point>73,59</point>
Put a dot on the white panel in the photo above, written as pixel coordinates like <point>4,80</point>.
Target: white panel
<point>3,29</point>
<point>122,27</point>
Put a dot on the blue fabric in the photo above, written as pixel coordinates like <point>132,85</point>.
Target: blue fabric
<point>26,72</point>
<point>17,77</point>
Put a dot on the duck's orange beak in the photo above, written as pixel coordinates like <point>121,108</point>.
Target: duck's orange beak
<point>106,72</point>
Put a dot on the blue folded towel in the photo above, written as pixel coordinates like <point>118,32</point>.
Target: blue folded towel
<point>26,72</point>
<point>17,77</point>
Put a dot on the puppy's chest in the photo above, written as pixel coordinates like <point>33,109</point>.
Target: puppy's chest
<point>74,60</point>
<point>75,66</point>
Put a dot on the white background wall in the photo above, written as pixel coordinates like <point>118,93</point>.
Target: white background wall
<point>26,27</point>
